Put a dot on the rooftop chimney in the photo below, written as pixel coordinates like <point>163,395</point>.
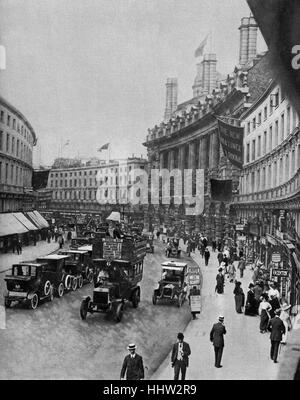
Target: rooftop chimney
<point>171,98</point>
<point>248,40</point>
<point>209,77</point>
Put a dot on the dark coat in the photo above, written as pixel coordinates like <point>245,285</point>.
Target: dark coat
<point>217,334</point>
<point>186,353</point>
<point>133,367</point>
<point>277,328</point>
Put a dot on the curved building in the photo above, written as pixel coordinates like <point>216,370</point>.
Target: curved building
<point>17,138</point>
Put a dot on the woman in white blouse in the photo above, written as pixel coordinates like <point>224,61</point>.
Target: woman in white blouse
<point>264,312</point>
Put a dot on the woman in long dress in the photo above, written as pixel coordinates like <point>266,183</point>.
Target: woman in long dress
<point>239,297</point>
<point>220,282</point>
<point>231,272</point>
<point>285,317</point>
<point>264,312</point>
<point>250,307</point>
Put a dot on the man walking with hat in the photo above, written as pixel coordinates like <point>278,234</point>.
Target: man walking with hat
<point>180,357</point>
<point>132,365</point>
<point>277,328</point>
<point>217,338</point>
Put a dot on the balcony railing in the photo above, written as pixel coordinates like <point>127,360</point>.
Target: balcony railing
<point>281,192</point>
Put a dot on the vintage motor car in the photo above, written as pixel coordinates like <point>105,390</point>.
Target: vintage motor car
<point>172,285</point>
<point>57,269</point>
<point>172,248</point>
<point>79,265</point>
<point>116,282</point>
<point>28,283</point>
<point>149,243</point>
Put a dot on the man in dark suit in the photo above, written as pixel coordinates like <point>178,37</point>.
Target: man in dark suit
<point>180,357</point>
<point>277,328</point>
<point>217,338</point>
<point>133,365</point>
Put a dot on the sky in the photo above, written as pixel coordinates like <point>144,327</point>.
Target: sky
<point>94,71</point>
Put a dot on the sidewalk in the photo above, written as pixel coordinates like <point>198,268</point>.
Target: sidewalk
<point>28,253</point>
<point>246,351</point>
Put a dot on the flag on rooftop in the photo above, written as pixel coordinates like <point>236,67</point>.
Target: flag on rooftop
<point>200,49</point>
<point>104,147</point>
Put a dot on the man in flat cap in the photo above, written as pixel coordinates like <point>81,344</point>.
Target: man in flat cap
<point>217,338</point>
<point>180,357</point>
<point>132,365</point>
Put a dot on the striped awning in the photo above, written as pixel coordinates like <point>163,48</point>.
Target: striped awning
<point>25,221</point>
<point>10,225</point>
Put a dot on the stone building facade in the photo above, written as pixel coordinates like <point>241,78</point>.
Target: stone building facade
<point>17,139</point>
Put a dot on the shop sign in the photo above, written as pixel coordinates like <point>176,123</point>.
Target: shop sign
<point>239,227</point>
<point>276,257</point>
<point>280,272</point>
<point>194,276</point>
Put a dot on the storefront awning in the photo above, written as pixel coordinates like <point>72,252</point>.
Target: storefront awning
<point>34,219</point>
<point>9,225</point>
<point>25,221</point>
<point>41,219</point>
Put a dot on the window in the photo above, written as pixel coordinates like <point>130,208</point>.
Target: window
<point>282,128</point>
<point>8,120</point>
<point>75,182</point>
<point>14,124</point>
<point>2,116</point>
<point>265,143</point>
<point>91,172</point>
<point>7,142</point>
<point>259,146</point>
<point>6,172</point>
<point>61,183</point>
<point>253,123</point>
<point>1,140</point>
<point>276,133</point>
<point>71,182</point>
<point>12,174</point>
<point>18,147</point>
<point>259,118</point>
<point>253,150</point>
<point>288,120</point>
<point>66,174</point>
<point>265,113</point>
<point>12,145</point>
<point>66,183</point>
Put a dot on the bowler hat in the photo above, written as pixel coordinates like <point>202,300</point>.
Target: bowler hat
<point>131,346</point>
<point>180,336</point>
<point>221,318</point>
<point>220,269</point>
<point>278,311</point>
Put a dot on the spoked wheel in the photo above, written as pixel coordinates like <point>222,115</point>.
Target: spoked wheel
<point>34,301</point>
<point>84,308</point>
<point>90,277</point>
<point>136,298</point>
<point>119,312</point>
<point>80,281</point>
<point>7,303</point>
<point>47,288</point>
<point>60,289</point>
<point>74,283</point>
<point>154,299</point>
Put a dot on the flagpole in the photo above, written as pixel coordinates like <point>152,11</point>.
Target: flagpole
<point>210,41</point>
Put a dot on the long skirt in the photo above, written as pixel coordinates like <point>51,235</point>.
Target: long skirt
<point>239,302</point>
<point>220,288</point>
<point>264,319</point>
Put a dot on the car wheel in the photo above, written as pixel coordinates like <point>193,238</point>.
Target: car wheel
<point>84,309</point>
<point>80,281</point>
<point>7,303</point>
<point>90,277</point>
<point>154,299</point>
<point>68,282</point>
<point>60,289</point>
<point>119,312</point>
<point>47,288</point>
<point>136,298</point>
<point>74,283</point>
<point>34,301</point>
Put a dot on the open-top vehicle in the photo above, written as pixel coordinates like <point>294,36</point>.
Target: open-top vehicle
<point>28,283</point>
<point>116,278</point>
<point>59,272</point>
<point>172,285</point>
<point>79,264</point>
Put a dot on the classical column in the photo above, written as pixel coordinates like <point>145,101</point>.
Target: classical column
<point>214,150</point>
<point>171,160</point>
<point>161,160</point>
<point>192,156</point>
<point>181,158</point>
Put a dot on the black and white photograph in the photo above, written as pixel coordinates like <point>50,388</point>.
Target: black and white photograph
<point>149,192</point>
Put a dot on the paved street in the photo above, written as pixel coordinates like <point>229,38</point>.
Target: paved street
<point>246,352</point>
<point>52,342</point>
